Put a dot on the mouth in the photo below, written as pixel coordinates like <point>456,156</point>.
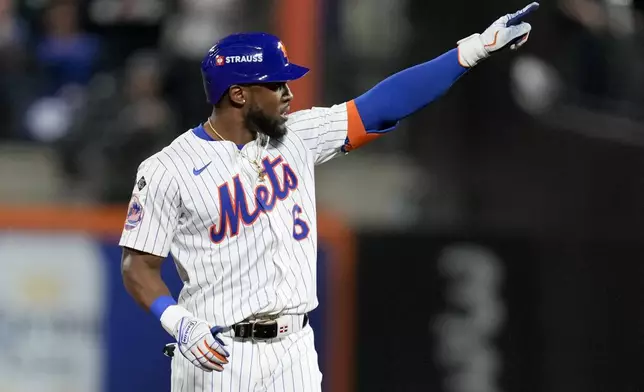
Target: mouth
<point>284,112</point>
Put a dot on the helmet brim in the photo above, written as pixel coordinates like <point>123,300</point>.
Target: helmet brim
<point>289,72</point>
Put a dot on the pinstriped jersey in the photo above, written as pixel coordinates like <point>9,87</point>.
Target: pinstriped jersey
<point>244,245</point>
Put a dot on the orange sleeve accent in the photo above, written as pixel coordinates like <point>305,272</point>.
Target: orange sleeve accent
<point>459,58</point>
<point>356,134</point>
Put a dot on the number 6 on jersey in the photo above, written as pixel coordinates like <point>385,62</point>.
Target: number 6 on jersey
<point>300,227</point>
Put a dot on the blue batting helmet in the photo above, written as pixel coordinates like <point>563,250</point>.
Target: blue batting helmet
<point>246,58</point>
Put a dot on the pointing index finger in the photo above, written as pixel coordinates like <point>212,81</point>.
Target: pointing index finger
<point>518,16</point>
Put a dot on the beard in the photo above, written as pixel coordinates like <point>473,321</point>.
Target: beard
<point>257,121</point>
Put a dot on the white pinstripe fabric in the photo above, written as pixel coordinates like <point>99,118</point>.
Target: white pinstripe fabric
<point>288,364</point>
<point>266,267</point>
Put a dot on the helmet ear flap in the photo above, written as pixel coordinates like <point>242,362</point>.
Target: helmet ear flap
<point>213,96</point>
<point>220,101</point>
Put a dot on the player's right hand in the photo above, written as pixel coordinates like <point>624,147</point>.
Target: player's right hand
<point>200,344</point>
<point>508,31</point>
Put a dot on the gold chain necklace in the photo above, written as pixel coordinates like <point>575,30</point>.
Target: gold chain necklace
<point>254,162</point>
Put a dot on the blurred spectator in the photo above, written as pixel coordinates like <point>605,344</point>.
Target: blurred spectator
<point>126,26</point>
<point>187,36</point>
<point>197,24</point>
<point>66,53</point>
<point>590,65</point>
<point>127,11</point>
<point>14,83</point>
<point>118,129</point>
<point>588,23</point>
<point>606,48</point>
<point>66,59</point>
<point>14,32</point>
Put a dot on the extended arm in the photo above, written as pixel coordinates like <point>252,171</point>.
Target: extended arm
<point>409,90</point>
<point>329,132</point>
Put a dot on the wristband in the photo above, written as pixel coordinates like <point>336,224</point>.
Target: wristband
<point>161,304</point>
<point>169,313</point>
<point>471,51</point>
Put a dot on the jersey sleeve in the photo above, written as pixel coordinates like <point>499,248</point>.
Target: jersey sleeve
<point>329,132</point>
<point>153,212</point>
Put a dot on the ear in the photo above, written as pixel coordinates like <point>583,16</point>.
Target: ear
<point>237,95</point>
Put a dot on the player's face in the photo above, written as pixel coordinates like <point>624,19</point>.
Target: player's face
<point>268,109</point>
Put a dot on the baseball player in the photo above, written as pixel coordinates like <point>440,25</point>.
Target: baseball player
<point>233,201</point>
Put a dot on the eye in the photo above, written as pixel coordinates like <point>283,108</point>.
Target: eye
<point>275,86</point>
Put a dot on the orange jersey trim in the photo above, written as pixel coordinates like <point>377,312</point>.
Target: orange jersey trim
<point>357,135</point>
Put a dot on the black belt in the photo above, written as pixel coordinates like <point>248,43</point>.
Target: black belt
<point>256,330</point>
<point>260,329</point>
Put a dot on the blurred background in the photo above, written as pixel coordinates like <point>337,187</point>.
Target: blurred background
<point>492,243</point>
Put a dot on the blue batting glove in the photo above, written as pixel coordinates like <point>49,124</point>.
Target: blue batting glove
<point>507,31</point>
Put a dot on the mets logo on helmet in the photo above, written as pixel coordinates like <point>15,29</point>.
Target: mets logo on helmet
<point>281,47</point>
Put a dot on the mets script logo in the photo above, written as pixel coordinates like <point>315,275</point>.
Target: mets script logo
<point>235,209</point>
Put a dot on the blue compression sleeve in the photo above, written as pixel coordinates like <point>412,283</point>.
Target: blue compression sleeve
<point>407,91</point>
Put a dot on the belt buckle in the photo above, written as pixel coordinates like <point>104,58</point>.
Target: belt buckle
<point>252,331</point>
<point>262,323</point>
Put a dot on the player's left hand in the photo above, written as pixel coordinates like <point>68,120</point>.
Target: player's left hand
<point>201,345</point>
<point>508,31</point>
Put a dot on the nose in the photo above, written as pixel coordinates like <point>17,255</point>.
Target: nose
<point>287,95</point>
